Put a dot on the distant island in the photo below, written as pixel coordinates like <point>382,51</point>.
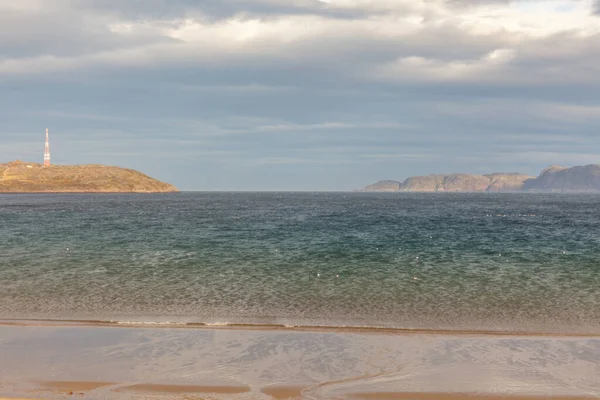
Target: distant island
<point>28,177</point>
<point>552,179</point>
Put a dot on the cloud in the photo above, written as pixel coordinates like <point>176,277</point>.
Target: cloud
<point>413,68</point>
<point>354,87</point>
<point>478,43</point>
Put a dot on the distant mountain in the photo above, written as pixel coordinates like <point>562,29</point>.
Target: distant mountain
<point>498,182</point>
<point>27,177</point>
<point>562,179</point>
<point>552,179</point>
<point>383,186</point>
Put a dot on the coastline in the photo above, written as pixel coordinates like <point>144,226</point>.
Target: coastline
<point>52,390</point>
<point>236,297</point>
<point>97,362</point>
<point>382,330</point>
<point>87,192</point>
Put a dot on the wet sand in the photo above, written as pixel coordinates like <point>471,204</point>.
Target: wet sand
<point>456,396</point>
<point>183,392</point>
<point>279,392</point>
<point>181,389</point>
<point>65,386</point>
<point>379,330</point>
<point>94,362</point>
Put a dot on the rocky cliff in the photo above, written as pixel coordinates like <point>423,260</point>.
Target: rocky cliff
<point>454,183</point>
<point>27,177</point>
<point>383,186</point>
<point>562,179</point>
<point>512,182</point>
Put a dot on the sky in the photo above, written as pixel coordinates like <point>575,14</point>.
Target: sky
<point>301,94</point>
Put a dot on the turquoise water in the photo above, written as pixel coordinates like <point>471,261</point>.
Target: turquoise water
<point>436,261</point>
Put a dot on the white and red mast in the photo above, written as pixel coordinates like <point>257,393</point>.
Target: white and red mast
<point>47,151</point>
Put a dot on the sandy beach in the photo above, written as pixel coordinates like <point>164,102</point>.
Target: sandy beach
<point>100,362</point>
<point>456,396</point>
<point>50,390</point>
<point>276,392</point>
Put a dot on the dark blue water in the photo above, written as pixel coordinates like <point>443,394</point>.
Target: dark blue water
<point>457,261</point>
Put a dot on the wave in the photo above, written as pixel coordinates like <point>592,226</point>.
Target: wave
<point>285,327</point>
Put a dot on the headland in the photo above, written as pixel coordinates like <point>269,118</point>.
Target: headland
<point>552,179</point>
<point>29,177</point>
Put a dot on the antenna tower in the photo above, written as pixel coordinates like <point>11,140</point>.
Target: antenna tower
<point>47,151</point>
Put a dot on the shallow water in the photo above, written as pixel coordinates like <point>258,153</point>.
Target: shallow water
<point>512,262</point>
<point>320,365</point>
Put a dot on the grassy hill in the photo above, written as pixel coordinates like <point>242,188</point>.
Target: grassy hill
<point>28,177</point>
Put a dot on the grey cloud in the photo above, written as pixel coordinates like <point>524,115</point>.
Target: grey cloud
<point>350,52</point>
<point>307,108</point>
<point>61,33</point>
<point>479,2</point>
<point>210,9</point>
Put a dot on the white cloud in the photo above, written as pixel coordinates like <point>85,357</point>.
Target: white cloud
<point>369,82</point>
<point>29,6</point>
<point>413,68</point>
<point>396,40</point>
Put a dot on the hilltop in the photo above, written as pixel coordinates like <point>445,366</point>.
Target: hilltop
<point>562,179</point>
<point>552,179</point>
<point>28,177</point>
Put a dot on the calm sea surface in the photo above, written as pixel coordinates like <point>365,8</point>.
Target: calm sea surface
<point>437,261</point>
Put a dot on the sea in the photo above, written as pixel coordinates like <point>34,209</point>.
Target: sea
<point>479,262</point>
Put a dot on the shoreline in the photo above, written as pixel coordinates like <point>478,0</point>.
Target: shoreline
<point>91,389</point>
<point>222,363</point>
<point>95,390</point>
<point>91,323</point>
<point>58,390</point>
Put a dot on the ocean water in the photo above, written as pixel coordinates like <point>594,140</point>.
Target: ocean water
<point>476,262</point>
